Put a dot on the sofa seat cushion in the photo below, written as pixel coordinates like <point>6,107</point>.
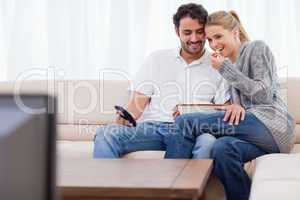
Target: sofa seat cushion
<point>68,149</point>
<point>74,150</point>
<point>76,132</point>
<point>276,177</point>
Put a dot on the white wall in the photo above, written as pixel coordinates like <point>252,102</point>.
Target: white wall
<point>81,37</point>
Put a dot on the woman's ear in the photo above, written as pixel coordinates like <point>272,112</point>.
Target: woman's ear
<point>236,32</point>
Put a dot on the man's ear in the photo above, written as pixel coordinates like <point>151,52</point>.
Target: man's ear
<point>177,31</point>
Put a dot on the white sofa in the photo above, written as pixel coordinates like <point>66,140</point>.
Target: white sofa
<point>83,105</point>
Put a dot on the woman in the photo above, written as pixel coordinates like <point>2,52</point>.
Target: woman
<point>257,121</point>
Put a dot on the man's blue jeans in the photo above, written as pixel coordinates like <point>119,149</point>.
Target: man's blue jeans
<point>235,145</point>
<point>114,141</point>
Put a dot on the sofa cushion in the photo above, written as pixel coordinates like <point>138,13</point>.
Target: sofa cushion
<point>74,150</point>
<point>76,132</point>
<point>78,101</point>
<point>292,87</point>
<point>276,177</point>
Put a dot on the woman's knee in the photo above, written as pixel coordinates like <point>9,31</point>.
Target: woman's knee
<point>180,121</point>
<point>187,124</point>
<point>222,147</point>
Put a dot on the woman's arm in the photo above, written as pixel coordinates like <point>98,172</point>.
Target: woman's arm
<point>259,87</point>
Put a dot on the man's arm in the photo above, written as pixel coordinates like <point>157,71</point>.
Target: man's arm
<point>140,96</point>
<point>136,107</point>
<point>137,104</point>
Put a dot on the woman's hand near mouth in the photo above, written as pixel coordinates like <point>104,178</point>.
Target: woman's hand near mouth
<point>216,59</point>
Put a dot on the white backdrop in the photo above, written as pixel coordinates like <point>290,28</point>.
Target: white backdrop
<point>81,37</point>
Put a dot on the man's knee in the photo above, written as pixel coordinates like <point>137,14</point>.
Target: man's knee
<point>106,141</point>
<point>206,139</point>
<point>108,132</point>
<point>99,133</point>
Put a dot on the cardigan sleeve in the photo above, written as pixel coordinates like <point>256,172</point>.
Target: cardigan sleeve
<point>257,86</point>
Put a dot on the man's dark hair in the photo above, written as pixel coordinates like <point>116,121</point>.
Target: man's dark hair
<point>192,10</point>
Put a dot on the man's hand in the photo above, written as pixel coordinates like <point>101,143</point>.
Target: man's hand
<point>234,113</point>
<point>136,106</point>
<point>120,120</point>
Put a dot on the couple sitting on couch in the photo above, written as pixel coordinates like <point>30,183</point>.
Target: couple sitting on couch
<point>254,120</point>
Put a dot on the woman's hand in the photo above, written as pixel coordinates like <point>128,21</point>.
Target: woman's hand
<point>234,113</point>
<point>216,60</point>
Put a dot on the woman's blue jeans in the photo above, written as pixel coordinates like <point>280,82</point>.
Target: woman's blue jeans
<point>235,145</point>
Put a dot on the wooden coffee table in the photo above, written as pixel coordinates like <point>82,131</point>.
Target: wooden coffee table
<point>132,179</point>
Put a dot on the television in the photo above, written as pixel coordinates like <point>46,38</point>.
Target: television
<point>27,147</point>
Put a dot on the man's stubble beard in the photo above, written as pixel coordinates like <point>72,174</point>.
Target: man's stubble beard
<point>184,46</point>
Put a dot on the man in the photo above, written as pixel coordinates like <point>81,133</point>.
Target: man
<point>167,77</point>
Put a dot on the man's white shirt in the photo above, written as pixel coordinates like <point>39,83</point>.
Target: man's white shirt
<point>167,79</point>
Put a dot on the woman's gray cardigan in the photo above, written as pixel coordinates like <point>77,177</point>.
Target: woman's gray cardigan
<point>254,85</point>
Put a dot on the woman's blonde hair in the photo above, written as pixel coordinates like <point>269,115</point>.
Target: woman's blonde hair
<point>228,20</point>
